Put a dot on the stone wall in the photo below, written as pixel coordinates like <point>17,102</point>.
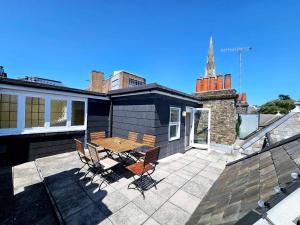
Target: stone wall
<point>223,114</point>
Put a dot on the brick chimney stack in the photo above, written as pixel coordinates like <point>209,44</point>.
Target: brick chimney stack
<point>96,82</point>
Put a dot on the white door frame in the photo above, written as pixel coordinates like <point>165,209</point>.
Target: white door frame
<point>195,145</point>
<point>188,109</point>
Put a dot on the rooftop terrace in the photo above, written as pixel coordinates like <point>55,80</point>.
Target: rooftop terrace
<point>182,181</point>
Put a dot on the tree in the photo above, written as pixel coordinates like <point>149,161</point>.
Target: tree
<point>284,97</point>
<point>284,104</point>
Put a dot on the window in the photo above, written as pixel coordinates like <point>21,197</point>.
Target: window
<point>41,112</point>
<point>134,83</point>
<point>77,113</point>
<point>174,123</point>
<point>34,112</point>
<point>58,113</point>
<point>8,111</point>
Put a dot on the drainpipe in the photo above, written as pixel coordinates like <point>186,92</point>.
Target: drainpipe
<point>110,118</point>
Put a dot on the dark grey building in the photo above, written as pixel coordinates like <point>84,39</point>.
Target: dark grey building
<point>147,110</point>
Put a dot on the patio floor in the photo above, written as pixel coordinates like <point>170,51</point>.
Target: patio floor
<point>183,180</point>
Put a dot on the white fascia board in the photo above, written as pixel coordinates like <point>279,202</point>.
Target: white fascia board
<point>157,92</point>
<point>51,92</point>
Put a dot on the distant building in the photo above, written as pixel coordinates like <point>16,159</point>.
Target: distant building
<point>118,80</point>
<point>2,73</point>
<point>42,81</point>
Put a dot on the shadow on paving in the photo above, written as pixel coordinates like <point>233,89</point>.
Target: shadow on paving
<point>30,206</point>
<point>77,198</point>
<point>6,195</point>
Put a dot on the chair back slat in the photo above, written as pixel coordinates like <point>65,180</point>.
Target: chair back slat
<point>149,140</point>
<point>79,147</point>
<point>97,135</point>
<point>93,153</point>
<point>152,155</point>
<point>132,136</point>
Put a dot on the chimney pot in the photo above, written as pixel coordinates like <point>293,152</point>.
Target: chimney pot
<point>198,85</point>
<point>212,83</point>
<point>227,81</point>
<point>205,84</point>
<point>219,82</point>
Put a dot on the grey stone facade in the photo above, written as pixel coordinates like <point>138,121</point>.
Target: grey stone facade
<point>223,114</point>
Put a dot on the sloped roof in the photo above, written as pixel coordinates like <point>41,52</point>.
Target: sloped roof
<point>23,83</point>
<point>245,181</point>
<point>151,87</point>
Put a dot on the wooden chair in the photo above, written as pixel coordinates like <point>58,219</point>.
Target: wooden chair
<point>149,140</point>
<point>97,135</point>
<point>132,136</point>
<point>101,166</point>
<point>145,167</point>
<point>83,156</point>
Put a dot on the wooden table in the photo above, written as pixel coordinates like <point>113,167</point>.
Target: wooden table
<point>118,145</point>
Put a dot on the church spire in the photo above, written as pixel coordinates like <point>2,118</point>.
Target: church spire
<point>210,69</point>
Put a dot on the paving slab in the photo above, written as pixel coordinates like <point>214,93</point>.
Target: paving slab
<point>150,203</point>
<point>113,202</point>
<point>170,214</point>
<point>89,215</point>
<point>176,180</point>
<point>185,201</point>
<point>165,190</point>
<point>151,221</point>
<point>129,215</point>
<point>185,174</point>
<point>195,189</point>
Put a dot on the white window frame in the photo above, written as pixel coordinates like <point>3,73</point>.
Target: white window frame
<point>21,129</point>
<point>36,95</point>
<point>19,122</point>
<point>175,123</point>
<point>85,111</point>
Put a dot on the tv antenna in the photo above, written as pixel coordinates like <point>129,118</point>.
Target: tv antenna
<point>240,51</point>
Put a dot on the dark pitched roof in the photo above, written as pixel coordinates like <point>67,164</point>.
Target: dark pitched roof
<point>151,87</point>
<point>48,87</point>
<point>243,182</point>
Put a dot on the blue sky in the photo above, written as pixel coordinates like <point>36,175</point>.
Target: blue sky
<point>164,41</point>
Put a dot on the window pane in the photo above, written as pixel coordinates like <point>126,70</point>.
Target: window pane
<point>173,131</point>
<point>174,115</point>
<point>77,113</point>
<point>58,113</point>
<point>8,111</point>
<point>34,112</point>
